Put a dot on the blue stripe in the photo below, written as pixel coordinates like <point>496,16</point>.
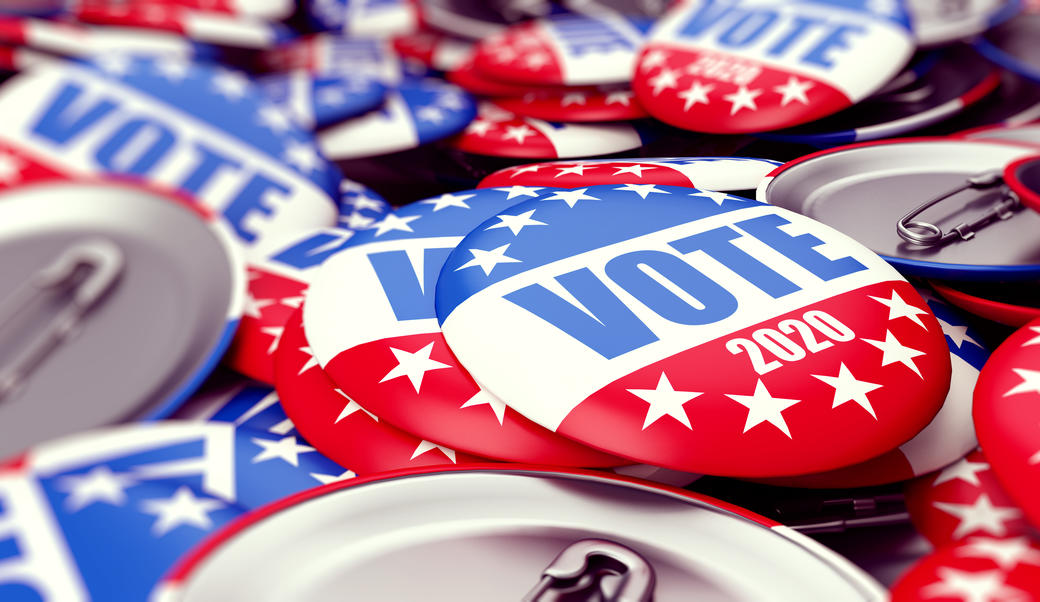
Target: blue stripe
<point>963,271</point>
<point>997,55</point>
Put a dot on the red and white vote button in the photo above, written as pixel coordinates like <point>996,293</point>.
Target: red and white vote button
<point>731,66</point>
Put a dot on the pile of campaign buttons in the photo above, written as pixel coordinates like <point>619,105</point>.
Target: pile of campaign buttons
<point>585,300</point>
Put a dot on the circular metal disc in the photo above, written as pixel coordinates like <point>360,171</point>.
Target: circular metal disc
<point>487,534</point>
<point>147,343</point>
<point>864,190</point>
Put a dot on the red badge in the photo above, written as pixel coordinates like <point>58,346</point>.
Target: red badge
<point>980,569</point>
<point>609,104</point>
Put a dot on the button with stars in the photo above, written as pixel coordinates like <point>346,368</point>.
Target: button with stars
<point>1007,416</point>
<point>608,103</point>
<point>949,436</point>
<point>694,331</point>
<point>337,425</point>
<point>205,131</point>
<point>414,113</point>
<point>718,174</point>
<point>979,569</point>
<point>316,101</point>
<point>370,321</point>
<point>963,500</point>
<point>757,66</point>
<point>163,487</point>
<point>497,132</point>
<point>377,18</point>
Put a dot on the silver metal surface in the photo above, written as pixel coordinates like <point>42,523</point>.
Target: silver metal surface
<point>484,535</point>
<point>152,333</point>
<point>864,191</point>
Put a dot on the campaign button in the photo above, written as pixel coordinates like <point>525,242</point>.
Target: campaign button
<point>947,438</point>
<point>414,113</point>
<point>725,174</point>
<point>564,50</point>
<point>609,103</point>
<point>1007,416</point>
<point>499,133</point>
<point>937,23</point>
<point>202,130</point>
<point>985,569</point>
<point>376,18</point>
<point>433,50</point>
<point>360,206</point>
<point>963,500</point>
<point>337,425</point>
<point>734,67</point>
<point>466,76</point>
<point>1013,304</point>
<point>266,9</point>
<point>331,55</point>
<point>609,294</point>
<point>316,101</point>
<point>370,320</point>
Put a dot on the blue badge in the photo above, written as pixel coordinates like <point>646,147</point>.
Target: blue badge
<point>318,101</point>
<point>360,206</point>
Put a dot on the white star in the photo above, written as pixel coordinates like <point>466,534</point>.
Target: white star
<point>425,446</point>
<point>665,401</point>
<point>351,407</point>
<point>274,119</point>
<point>763,407</point>
<point>1007,553</point>
<point>981,514</point>
<point>431,114</point>
<point>893,351</point>
<point>451,101</point>
<point>537,60</point>
<point>481,398</point>
<point>716,197</point>
<point>230,85</point>
<point>356,221</point>
<point>532,168</point>
<point>253,307</point>
<point>667,78</point>
<point>276,332</point>
<point>311,361</point>
<point>480,127</point>
<point>574,98</point>
<point>98,485</point>
<point>115,63</point>
<point>413,365</point>
<point>577,169</point>
<point>623,97</point>
<point>10,168</point>
<point>1030,382</point>
<point>487,260</point>
<point>847,388</point>
<point>514,191</point>
<point>635,169</point>
<point>173,69</point>
<point>964,470</point>
<point>898,308</point>
<point>516,223</point>
<point>571,197</point>
<point>973,586</point>
<point>362,201</point>
<point>794,89</point>
<point>392,221</point>
<point>1035,340</point>
<point>654,58</point>
<point>449,200</point>
<point>302,155</point>
<point>330,96</point>
<point>742,99</point>
<point>518,133</point>
<point>884,7</point>
<point>1035,458</point>
<point>183,508</point>
<point>643,190</point>
<point>957,334</point>
<point>293,302</point>
<point>696,93</point>
<point>285,448</point>
<point>325,479</point>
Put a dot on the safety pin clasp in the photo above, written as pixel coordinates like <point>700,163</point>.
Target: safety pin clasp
<point>85,271</point>
<point>580,571</point>
<point>928,234</point>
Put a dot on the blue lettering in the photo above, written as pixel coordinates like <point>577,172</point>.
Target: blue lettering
<point>748,29</point>
<point>111,157</point>
<point>837,38</point>
<point>251,199</point>
<point>799,25</point>
<point>58,125</point>
<point>209,164</point>
<point>9,545</point>
<point>717,244</point>
<point>313,251</point>
<point>631,271</point>
<point>409,299</point>
<point>613,331</point>
<point>801,249</point>
<point>710,14</point>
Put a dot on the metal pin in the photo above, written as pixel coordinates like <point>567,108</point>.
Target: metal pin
<point>928,234</point>
<point>84,272</point>
<point>595,570</point>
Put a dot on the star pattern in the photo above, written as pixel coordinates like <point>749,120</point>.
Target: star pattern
<point>643,190</point>
<point>100,484</point>
<point>183,508</point>
<point>664,400</point>
<point>847,388</point>
<point>898,308</point>
<point>413,365</point>
<point>667,78</point>
<point>516,223</point>
<point>481,398</point>
<point>1036,339</point>
<point>1007,553</point>
<point>285,448</point>
<point>971,586</point>
<point>393,222</point>
<point>1030,382</point>
<point>449,200</point>
<point>311,362</point>
<point>519,133</point>
<point>981,515</point>
<point>232,86</point>
<point>964,470</point>
<point>302,155</point>
<point>958,333</point>
<point>743,98</point>
<point>487,260</point>
<point>696,93</point>
<point>895,352</point>
<point>763,407</point>
<point>793,91</point>
<point>425,446</point>
<point>351,408</point>
<point>571,197</point>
